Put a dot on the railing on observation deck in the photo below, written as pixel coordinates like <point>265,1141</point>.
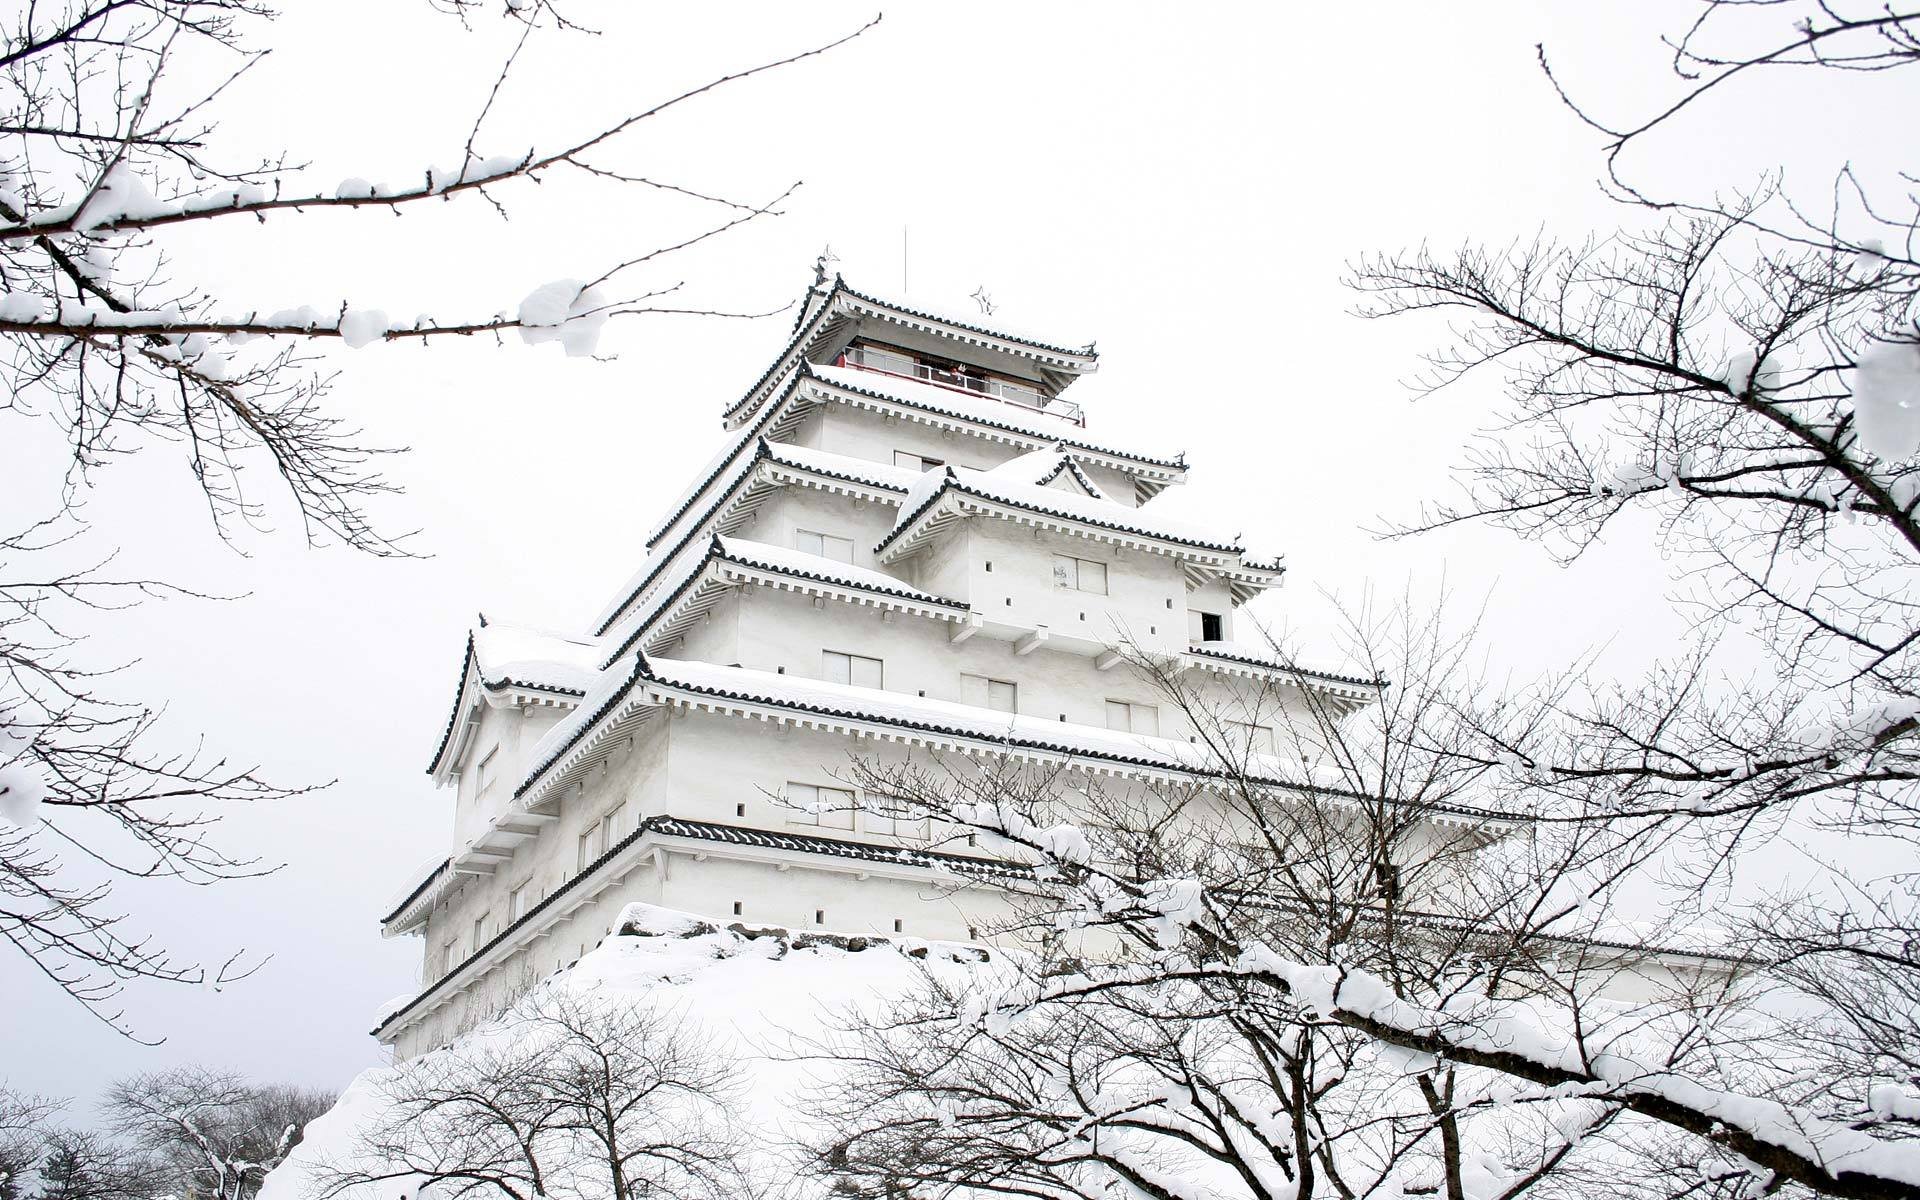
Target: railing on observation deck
<point>888,363</point>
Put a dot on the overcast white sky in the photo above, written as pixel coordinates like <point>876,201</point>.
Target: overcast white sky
<point>1181,183</point>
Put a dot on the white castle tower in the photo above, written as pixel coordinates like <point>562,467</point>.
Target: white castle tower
<point>909,545</point>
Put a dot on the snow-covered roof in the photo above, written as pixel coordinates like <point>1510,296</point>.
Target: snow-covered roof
<point>641,682</point>
<point>823,310</point>
<point>785,564</point>
<point>981,410</point>
<point>408,906</point>
<point>1009,490</point>
<point>882,481</point>
<point>1264,661</point>
<point>1003,330</point>
<point>527,657</point>
<point>501,657</point>
<point>669,829</point>
<point>815,566</point>
<point>941,497</point>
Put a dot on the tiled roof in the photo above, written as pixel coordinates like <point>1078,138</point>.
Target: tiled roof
<point>708,831</point>
<point>912,394</point>
<point>924,716</point>
<point>1086,352</point>
<point>1208,650</point>
<point>419,890</point>
<point>849,470</point>
<point>1035,498</point>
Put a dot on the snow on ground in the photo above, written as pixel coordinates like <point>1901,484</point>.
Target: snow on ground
<point>755,993</point>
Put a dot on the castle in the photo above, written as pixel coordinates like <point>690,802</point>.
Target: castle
<point>908,545</point>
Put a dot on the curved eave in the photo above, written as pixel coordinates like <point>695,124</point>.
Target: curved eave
<point>474,692</point>
<point>442,754</point>
<point>1353,685</point>
<point>1357,691</point>
<point>675,835</point>
<point>1144,469</point>
<point>721,570</point>
<point>752,480</point>
<point>1060,358</point>
<point>1058,364</point>
<point>645,691</point>
<point>954,501</point>
<point>411,912</point>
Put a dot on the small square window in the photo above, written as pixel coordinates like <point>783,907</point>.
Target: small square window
<point>1205,626</point>
<point>1254,739</point>
<point>1000,695</point>
<point>824,807</point>
<point>855,669</point>
<point>1128,717</point>
<point>1079,574</point>
<point>826,545</point>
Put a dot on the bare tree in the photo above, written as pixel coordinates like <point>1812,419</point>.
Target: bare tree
<point>23,1123</point>
<point>211,1134</point>
<point>110,149</point>
<point>570,1094</point>
<point>1165,1028</point>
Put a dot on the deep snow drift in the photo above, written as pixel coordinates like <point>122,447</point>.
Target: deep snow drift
<point>755,994</point>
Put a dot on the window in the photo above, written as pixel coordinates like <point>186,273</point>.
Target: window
<point>517,903</point>
<point>1133,718</point>
<point>917,462</point>
<point>855,669</point>
<point>1255,739</point>
<point>612,824</point>
<point>1079,574</point>
<point>826,807</point>
<point>996,694</point>
<point>479,932</point>
<point>1205,626</point>
<point>894,817</point>
<point>486,772</point>
<point>589,846</point>
<point>826,545</point>
<point>449,958</point>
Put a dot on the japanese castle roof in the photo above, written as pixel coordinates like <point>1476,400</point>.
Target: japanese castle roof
<point>823,309</point>
<point>996,419</point>
<point>502,657</point>
<point>643,681</point>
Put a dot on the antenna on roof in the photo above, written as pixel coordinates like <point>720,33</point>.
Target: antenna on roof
<point>985,301</point>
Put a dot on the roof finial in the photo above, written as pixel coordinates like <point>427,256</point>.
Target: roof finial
<point>483,620</point>
<point>985,301</point>
<point>820,265</point>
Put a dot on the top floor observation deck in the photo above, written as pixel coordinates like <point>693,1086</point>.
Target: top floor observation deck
<point>960,377</point>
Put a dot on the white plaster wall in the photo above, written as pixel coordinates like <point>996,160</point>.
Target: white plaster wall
<point>796,508</point>
<point>514,731</point>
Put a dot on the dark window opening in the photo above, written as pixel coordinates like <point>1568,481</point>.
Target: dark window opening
<point>1210,627</point>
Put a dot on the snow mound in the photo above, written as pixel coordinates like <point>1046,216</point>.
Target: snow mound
<point>756,994</point>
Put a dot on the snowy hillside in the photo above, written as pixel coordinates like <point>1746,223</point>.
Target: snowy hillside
<point>745,1001</point>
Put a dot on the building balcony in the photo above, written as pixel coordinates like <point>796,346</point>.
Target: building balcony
<point>904,366</point>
